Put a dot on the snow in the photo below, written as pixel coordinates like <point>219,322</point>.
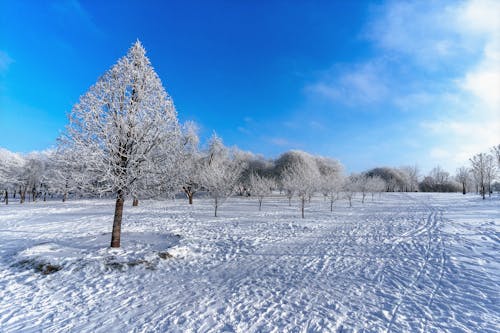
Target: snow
<point>404,262</point>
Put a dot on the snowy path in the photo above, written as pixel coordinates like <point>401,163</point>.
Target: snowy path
<point>403,263</point>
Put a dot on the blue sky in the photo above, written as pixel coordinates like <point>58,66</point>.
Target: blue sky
<point>370,83</point>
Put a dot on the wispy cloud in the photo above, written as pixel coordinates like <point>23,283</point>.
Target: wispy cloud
<point>362,84</point>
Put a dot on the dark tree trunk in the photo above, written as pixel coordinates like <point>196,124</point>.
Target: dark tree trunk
<point>260,204</point>
<point>303,203</point>
<point>216,206</point>
<point>135,203</point>
<point>190,198</point>
<point>22,196</point>
<point>65,196</point>
<point>44,196</point>
<point>6,197</point>
<point>117,222</point>
<point>331,205</point>
<point>463,188</point>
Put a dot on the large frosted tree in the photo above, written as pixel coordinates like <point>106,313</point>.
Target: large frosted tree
<point>125,131</point>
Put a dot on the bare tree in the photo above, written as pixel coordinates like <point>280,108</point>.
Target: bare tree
<point>496,152</point>
<point>191,161</point>
<point>463,177</point>
<point>490,172</point>
<point>126,127</point>
<point>479,169</point>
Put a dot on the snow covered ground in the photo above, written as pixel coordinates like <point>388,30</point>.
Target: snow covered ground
<point>403,263</point>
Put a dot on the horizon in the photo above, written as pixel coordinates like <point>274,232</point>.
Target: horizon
<point>390,84</point>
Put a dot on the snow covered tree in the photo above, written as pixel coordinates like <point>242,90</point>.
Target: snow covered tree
<point>496,152</point>
<point>350,187</point>
<point>11,165</point>
<point>479,169</point>
<point>191,161</point>
<point>126,127</point>
<point>220,172</point>
<point>412,174</point>
<point>490,171</point>
<point>301,177</point>
<point>260,187</point>
<point>376,185</point>
<point>463,177</point>
<point>330,179</point>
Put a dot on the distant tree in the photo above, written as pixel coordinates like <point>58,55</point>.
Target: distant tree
<point>496,152</point>
<point>490,171</point>
<point>463,177</point>
<point>350,187</point>
<point>412,174</point>
<point>260,187</point>
<point>126,127</point>
<point>375,185</point>
<point>191,161</point>
<point>220,172</point>
<point>479,169</point>
<point>299,175</point>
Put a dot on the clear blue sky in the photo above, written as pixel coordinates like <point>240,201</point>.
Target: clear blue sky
<point>371,83</point>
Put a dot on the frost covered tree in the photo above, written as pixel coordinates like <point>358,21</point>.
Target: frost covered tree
<point>479,169</point>
<point>490,172</point>
<point>11,165</point>
<point>260,187</point>
<point>463,177</point>
<point>375,185</point>
<point>191,161</point>
<point>350,187</point>
<point>496,152</point>
<point>302,178</point>
<point>220,172</point>
<point>126,127</point>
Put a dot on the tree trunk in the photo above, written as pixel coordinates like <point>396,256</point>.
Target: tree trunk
<point>363,198</point>
<point>65,196</point>
<point>135,203</point>
<point>463,188</point>
<point>331,205</point>
<point>302,206</point>
<point>117,222</point>
<point>190,198</point>
<point>216,206</point>
<point>6,197</point>
<point>22,196</point>
<point>260,205</point>
<point>483,189</point>
<point>44,196</point>
<point>289,201</point>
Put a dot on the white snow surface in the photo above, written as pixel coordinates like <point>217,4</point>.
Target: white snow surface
<point>402,263</point>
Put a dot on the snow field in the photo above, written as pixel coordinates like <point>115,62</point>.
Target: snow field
<point>404,262</point>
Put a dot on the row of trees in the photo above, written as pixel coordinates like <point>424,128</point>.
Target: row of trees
<point>124,140</point>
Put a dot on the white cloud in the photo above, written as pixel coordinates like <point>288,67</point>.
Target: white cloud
<point>439,58</point>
